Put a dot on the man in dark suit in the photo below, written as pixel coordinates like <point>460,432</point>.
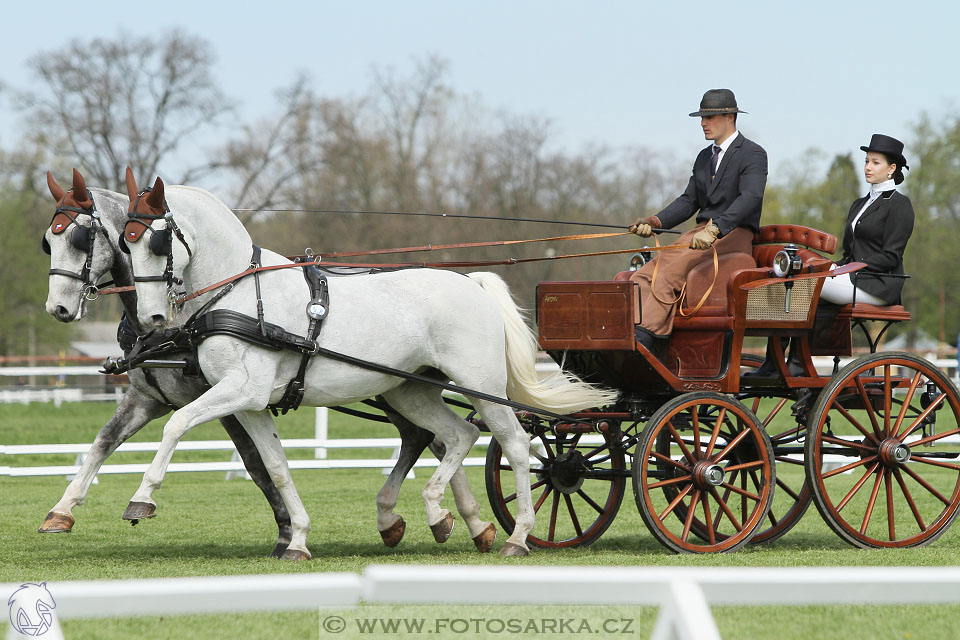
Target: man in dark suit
<point>726,193</point>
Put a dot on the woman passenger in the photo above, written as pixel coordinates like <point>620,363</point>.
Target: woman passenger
<point>878,227</point>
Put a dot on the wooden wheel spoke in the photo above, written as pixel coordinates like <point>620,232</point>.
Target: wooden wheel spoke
<point>847,443</point>
<point>726,496</point>
<point>669,481</point>
<point>741,491</point>
<point>731,445</point>
<point>790,492</point>
<point>787,460</point>
<point>590,501</point>
<point>669,460</point>
<point>854,422</point>
<point>926,485</point>
<point>868,406</point>
<point>716,431</point>
<point>936,463</point>
<point>711,533</point>
<point>543,496</point>
<point>688,522</point>
<point>673,503</point>
<point>887,394</point>
<point>933,438</point>
<point>679,441</point>
<point>783,434</point>
<point>870,504</point>
<point>848,467</point>
<point>546,447</point>
<point>535,485</point>
<point>774,412</point>
<point>856,488</point>
<point>551,534</point>
<point>906,402</point>
<point>696,432</point>
<point>726,510</point>
<point>909,498</point>
<point>888,489</point>
<point>745,465</point>
<point>573,515</point>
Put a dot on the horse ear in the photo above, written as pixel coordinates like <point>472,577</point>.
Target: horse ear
<point>80,190</point>
<point>55,189</point>
<point>131,184</point>
<point>155,197</point>
<point>79,186</point>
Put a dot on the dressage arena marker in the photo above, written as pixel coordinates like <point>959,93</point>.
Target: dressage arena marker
<point>683,594</point>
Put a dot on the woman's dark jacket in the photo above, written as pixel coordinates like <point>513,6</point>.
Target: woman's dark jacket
<point>879,240</point>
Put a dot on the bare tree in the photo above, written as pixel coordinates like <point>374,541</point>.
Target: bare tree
<point>109,103</point>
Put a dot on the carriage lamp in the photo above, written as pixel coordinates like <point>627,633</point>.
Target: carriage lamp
<point>787,262</point>
<point>639,259</point>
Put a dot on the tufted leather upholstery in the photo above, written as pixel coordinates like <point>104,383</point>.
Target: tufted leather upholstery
<point>796,234</point>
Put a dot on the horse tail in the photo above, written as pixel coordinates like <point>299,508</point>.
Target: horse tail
<point>560,391</point>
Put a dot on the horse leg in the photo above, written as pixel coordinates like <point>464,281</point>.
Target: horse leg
<point>483,533</point>
<point>134,411</point>
<point>413,441</point>
<point>506,429</point>
<point>423,406</point>
<point>263,432</point>
<point>261,477</point>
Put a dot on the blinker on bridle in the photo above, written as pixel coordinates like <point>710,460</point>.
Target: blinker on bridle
<point>82,238</point>
<point>161,241</point>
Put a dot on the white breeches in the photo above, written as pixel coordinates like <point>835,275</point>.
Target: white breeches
<point>839,290</point>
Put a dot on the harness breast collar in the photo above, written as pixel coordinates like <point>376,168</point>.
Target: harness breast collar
<point>205,323</point>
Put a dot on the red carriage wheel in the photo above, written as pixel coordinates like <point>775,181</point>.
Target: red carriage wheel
<point>578,482</point>
<point>703,466</point>
<point>881,452</point>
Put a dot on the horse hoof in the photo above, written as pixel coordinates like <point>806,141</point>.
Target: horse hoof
<point>484,539</point>
<point>57,523</point>
<point>137,511</point>
<point>393,534</point>
<point>443,529</point>
<point>279,550</point>
<point>295,554</point>
<point>511,550</point>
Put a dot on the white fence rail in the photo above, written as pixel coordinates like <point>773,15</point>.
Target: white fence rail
<point>683,594</point>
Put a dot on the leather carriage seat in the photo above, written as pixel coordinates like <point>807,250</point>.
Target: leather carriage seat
<point>767,242</point>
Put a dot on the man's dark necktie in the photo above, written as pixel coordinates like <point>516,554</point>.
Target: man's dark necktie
<point>713,162</point>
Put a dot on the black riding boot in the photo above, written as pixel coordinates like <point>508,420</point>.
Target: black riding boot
<point>769,367</point>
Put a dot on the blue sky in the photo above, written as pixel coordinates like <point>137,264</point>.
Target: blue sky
<point>811,74</point>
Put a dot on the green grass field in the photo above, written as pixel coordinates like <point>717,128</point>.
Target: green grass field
<point>208,526</point>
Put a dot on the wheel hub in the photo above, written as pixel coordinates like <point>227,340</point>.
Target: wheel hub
<point>707,474</point>
<point>567,472</point>
<point>893,453</point>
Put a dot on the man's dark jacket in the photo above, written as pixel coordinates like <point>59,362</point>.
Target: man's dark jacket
<point>733,198</point>
<point>879,240</point>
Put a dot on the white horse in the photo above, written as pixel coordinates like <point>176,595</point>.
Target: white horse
<point>73,240</point>
<point>439,323</point>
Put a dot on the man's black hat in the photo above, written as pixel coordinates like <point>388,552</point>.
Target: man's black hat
<point>890,147</point>
<point>717,101</point>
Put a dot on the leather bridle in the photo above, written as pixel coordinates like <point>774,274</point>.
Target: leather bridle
<point>82,238</point>
<point>161,241</point>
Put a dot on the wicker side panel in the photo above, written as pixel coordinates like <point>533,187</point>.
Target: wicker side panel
<point>768,303</point>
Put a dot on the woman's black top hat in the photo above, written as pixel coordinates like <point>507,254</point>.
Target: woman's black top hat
<point>717,101</point>
<point>888,146</point>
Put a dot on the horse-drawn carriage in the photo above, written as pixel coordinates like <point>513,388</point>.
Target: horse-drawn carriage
<point>718,459</point>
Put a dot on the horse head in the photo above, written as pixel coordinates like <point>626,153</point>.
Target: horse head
<point>31,609</point>
<point>78,246</point>
<point>158,263</point>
